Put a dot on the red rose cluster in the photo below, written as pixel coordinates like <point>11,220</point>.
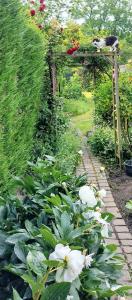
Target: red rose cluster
<point>75,47</point>
<point>72,50</point>
<point>41,7</point>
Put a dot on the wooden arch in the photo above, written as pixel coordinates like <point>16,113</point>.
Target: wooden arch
<point>113,59</point>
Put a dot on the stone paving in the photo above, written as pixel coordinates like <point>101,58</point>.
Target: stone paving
<point>120,236</point>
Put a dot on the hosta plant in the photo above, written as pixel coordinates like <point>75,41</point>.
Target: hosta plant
<point>52,242</point>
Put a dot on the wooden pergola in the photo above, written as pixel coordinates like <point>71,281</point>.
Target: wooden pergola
<point>112,58</point>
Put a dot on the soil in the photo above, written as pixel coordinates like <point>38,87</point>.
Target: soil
<point>121,186</point>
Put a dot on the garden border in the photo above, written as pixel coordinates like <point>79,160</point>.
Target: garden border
<point>120,235</point>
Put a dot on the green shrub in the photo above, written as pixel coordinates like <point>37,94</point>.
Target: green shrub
<point>22,67</point>
<point>73,88</point>
<point>104,102</point>
<point>102,142</point>
<point>67,151</point>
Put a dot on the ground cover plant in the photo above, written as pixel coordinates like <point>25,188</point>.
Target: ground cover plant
<point>52,239</point>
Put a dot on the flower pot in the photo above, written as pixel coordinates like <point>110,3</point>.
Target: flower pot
<point>128,167</point>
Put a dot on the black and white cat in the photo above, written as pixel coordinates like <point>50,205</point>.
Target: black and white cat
<point>111,41</point>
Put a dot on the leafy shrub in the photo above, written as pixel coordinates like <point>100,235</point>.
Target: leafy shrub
<point>73,88</point>
<point>22,67</point>
<point>67,151</point>
<point>104,102</point>
<point>45,213</point>
<point>102,142</point>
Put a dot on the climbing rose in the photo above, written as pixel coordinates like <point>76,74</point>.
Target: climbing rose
<point>42,7</point>
<point>87,196</point>
<point>42,1</point>
<point>32,12</point>
<point>32,2</point>
<point>73,260</point>
<point>40,26</point>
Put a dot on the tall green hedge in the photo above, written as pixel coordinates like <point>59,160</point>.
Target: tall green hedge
<point>21,76</point>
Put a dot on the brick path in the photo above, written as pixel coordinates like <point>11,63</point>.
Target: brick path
<point>120,236</point>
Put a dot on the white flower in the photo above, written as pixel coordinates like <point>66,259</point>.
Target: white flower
<point>74,263</point>
<point>88,260</point>
<point>87,196</point>
<point>97,216</point>
<point>69,297</point>
<point>80,152</point>
<point>64,184</point>
<point>24,2</point>
<point>102,169</point>
<point>102,193</point>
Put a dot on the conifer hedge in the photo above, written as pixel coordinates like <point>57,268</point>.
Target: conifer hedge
<point>21,76</point>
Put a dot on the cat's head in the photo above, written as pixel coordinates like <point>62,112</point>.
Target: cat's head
<point>95,41</point>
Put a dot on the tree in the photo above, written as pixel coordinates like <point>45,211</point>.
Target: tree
<point>113,16</point>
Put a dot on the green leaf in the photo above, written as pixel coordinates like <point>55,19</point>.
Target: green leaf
<point>16,295</point>
<point>13,239</point>
<point>56,291</point>
<point>35,260</point>
<point>49,237</point>
<point>67,199</point>
<point>53,263</point>
<point>3,245</point>
<point>129,205</point>
<point>21,251</point>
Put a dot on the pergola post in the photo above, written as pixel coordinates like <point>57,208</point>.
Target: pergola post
<point>116,111</point>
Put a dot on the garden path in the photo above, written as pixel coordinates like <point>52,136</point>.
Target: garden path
<point>120,236</point>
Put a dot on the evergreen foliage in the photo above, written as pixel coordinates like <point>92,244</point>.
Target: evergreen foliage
<point>22,67</point>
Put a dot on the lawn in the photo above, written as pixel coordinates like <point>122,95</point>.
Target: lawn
<point>84,121</point>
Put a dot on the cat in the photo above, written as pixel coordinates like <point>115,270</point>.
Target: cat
<point>111,41</point>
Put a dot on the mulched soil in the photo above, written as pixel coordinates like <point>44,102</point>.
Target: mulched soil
<point>121,186</point>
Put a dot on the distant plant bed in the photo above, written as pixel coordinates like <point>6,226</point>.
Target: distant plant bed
<point>52,239</point>
<point>102,143</point>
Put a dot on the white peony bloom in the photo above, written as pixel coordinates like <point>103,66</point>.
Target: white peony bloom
<point>74,263</point>
<point>69,297</point>
<point>80,152</point>
<point>88,260</point>
<point>102,193</point>
<point>87,196</point>
<point>97,216</point>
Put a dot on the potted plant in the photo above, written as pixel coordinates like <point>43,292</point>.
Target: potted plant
<point>128,167</point>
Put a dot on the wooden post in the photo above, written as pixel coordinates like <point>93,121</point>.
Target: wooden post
<point>54,78</point>
<point>116,111</point>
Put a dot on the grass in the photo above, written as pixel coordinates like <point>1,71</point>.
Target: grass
<point>76,107</point>
<point>85,121</point>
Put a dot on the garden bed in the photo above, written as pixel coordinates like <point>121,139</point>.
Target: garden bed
<point>121,186</point>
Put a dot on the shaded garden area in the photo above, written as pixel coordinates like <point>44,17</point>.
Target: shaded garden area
<point>53,225</point>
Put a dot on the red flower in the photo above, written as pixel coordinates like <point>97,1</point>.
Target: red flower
<point>40,26</point>
<point>32,2</point>
<point>42,7</point>
<point>42,1</point>
<point>72,50</point>
<point>32,12</point>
